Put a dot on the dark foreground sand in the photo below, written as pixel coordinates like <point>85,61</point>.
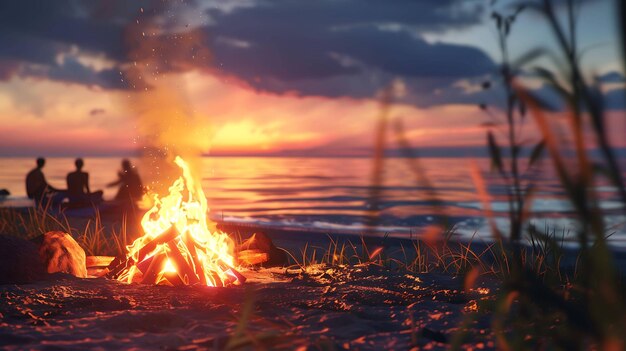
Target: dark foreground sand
<point>362,307</point>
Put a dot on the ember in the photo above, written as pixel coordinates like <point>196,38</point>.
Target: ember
<point>177,247</point>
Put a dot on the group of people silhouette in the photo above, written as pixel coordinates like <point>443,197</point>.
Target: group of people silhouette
<point>78,192</point>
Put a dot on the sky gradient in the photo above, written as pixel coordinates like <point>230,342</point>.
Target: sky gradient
<point>266,77</point>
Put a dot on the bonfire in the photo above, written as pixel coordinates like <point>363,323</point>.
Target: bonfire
<point>177,247</point>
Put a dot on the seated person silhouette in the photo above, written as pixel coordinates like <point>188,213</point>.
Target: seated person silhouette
<point>38,189</point>
<point>131,189</point>
<point>78,187</point>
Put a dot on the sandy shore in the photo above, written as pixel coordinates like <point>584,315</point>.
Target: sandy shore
<point>362,307</point>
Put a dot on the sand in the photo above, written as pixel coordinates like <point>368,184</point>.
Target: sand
<point>320,307</point>
<point>362,307</point>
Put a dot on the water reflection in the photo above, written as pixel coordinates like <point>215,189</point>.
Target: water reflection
<point>331,193</point>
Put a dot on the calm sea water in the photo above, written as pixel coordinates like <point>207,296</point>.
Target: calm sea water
<point>332,194</point>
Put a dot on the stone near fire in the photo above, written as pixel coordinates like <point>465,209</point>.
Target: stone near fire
<point>61,253</point>
<point>259,249</point>
<point>20,261</point>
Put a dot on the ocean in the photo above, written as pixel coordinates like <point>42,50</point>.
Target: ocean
<point>333,194</point>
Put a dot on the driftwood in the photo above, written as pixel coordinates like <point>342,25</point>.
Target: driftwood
<point>98,261</point>
<point>252,257</point>
<point>250,252</point>
<point>97,266</point>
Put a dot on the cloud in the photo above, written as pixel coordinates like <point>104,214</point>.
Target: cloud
<point>347,48</point>
<point>8,68</point>
<point>612,77</point>
<point>328,48</point>
<point>615,99</point>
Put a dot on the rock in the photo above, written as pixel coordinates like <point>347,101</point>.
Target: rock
<point>260,249</point>
<point>20,261</point>
<point>61,253</point>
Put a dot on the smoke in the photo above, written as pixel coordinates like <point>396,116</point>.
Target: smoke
<point>167,124</point>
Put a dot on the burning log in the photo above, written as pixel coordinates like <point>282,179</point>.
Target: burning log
<point>194,257</point>
<point>166,236</point>
<point>151,275</point>
<point>185,272</point>
<point>144,265</point>
<point>238,277</point>
<point>117,266</point>
<point>173,279</point>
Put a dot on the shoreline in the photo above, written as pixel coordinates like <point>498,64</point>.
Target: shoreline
<point>295,239</point>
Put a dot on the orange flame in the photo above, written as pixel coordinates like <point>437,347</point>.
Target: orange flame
<point>177,246</point>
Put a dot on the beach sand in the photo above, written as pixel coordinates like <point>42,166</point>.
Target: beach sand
<point>316,307</point>
<point>361,307</point>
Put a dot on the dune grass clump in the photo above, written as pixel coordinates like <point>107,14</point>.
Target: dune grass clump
<point>92,234</point>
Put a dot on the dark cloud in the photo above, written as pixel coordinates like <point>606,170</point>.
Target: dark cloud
<point>73,71</point>
<point>323,47</point>
<point>320,47</point>
<point>612,77</point>
<point>8,68</point>
<point>35,34</point>
<point>615,99</point>
<point>346,48</point>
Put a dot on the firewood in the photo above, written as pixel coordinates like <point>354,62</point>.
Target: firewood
<point>182,267</point>
<point>163,238</point>
<point>239,278</point>
<point>215,279</point>
<point>118,265</point>
<point>252,257</point>
<point>194,256</point>
<point>152,273</point>
<point>173,278</point>
<point>143,265</point>
<point>99,261</point>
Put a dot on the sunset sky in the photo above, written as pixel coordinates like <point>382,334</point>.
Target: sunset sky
<point>266,77</point>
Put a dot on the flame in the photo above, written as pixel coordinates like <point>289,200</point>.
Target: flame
<point>177,247</point>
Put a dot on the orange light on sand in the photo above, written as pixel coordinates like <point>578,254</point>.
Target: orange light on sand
<point>177,247</point>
